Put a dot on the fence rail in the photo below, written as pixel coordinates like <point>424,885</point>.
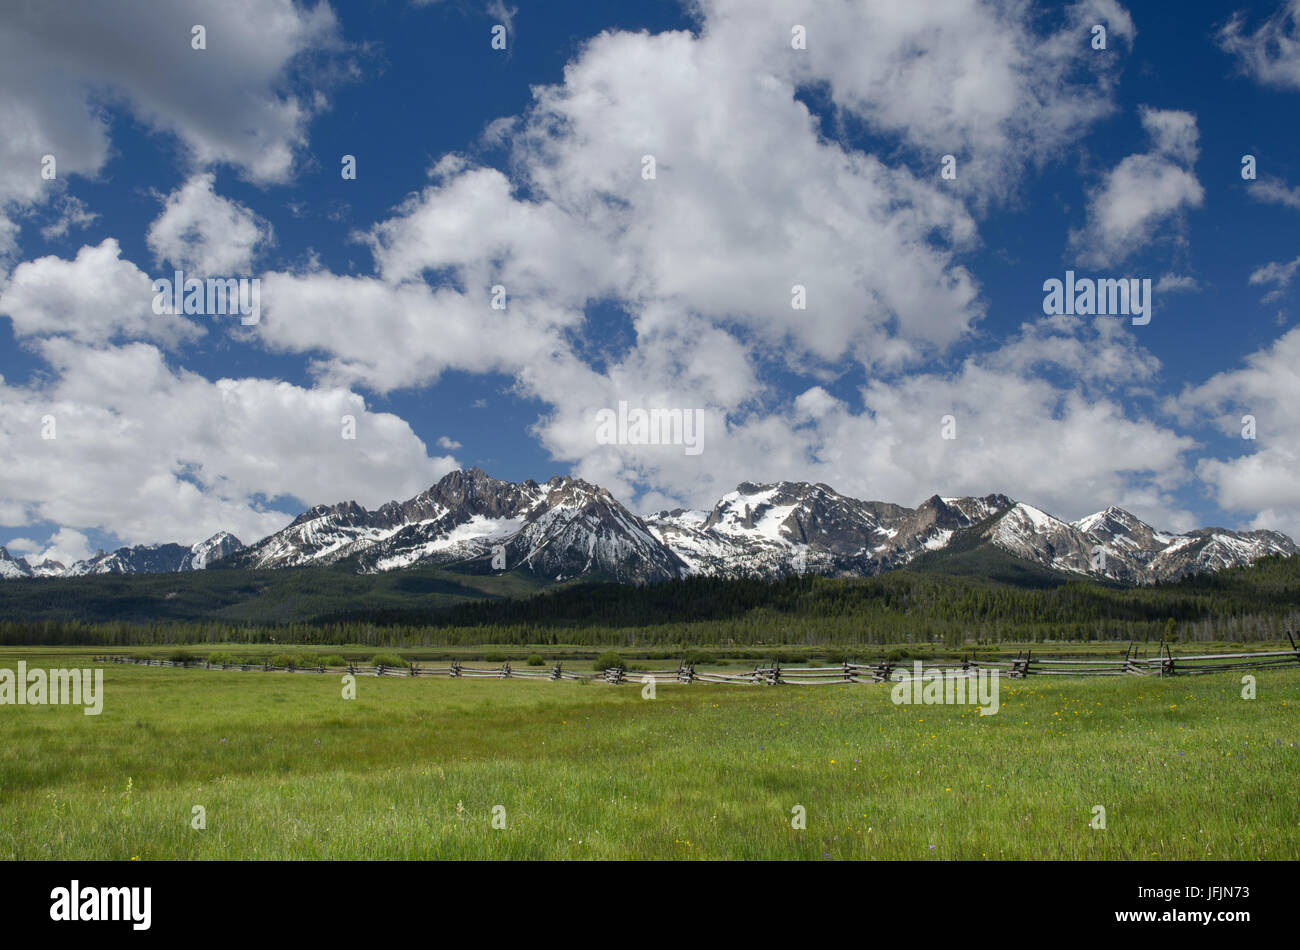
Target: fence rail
<point>1163,664</point>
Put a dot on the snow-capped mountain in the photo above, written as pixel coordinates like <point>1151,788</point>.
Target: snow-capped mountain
<point>222,544</point>
<point>11,567</point>
<point>1116,544</point>
<point>140,559</point>
<point>560,529</point>
<point>566,528</point>
<point>787,527</point>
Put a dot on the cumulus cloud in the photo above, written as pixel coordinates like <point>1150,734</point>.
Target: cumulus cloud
<point>1143,193</point>
<point>752,206</point>
<point>67,546</point>
<point>154,454</point>
<point>203,233</point>
<point>96,297</point>
<point>979,80</point>
<point>389,336</point>
<point>748,201</point>
<point>749,198</point>
<point>65,67</point>
<point>1270,53</point>
<point>1071,446</point>
<point>1261,479</point>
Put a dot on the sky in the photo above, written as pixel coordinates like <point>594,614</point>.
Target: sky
<point>825,230</point>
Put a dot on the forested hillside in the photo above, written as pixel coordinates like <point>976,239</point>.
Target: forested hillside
<point>430,607</point>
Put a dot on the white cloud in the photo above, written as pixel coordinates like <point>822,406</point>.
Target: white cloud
<point>1143,193</point>
<point>94,298</point>
<point>154,454</point>
<point>1071,447</point>
<point>388,336</point>
<point>72,213</point>
<point>749,200</point>
<point>1275,191</point>
<point>64,66</point>
<point>976,79</point>
<point>451,445</point>
<point>1177,284</point>
<point>1275,273</point>
<point>750,197</point>
<point>1271,53</point>
<point>1262,479</point>
<point>205,234</point>
<point>67,546</point>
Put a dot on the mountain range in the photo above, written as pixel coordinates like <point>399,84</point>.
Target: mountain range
<point>567,528</point>
<point>139,559</point>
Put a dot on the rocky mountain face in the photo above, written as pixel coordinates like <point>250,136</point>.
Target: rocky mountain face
<point>771,530</point>
<point>560,529</point>
<point>1118,545</point>
<point>140,559</point>
<point>567,528</point>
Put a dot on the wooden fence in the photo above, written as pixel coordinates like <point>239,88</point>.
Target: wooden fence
<point>1164,663</point>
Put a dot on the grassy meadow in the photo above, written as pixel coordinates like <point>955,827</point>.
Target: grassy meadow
<point>412,768</point>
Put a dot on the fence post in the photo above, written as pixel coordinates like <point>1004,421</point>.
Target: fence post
<point>455,668</point>
<point>555,673</point>
<point>415,668</point>
<point>379,669</point>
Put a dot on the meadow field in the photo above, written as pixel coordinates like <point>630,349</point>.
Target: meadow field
<point>284,767</point>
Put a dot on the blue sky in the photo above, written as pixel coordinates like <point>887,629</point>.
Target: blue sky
<point>776,166</point>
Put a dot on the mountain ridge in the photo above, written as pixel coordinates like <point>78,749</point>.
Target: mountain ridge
<point>567,528</point>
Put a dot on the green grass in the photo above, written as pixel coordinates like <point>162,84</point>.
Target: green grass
<point>286,768</point>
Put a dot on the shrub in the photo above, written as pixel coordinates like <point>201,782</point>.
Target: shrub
<point>609,661</point>
<point>180,656</point>
<point>332,659</point>
<point>494,656</point>
<point>223,659</point>
<point>387,659</point>
<point>285,659</point>
<point>535,660</point>
<point>696,657</point>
